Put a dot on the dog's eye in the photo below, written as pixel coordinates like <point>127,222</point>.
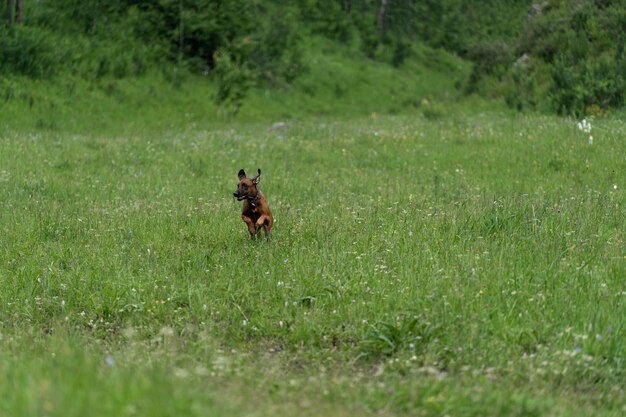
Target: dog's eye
<point>245,187</point>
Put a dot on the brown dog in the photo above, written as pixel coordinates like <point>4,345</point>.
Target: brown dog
<point>256,213</point>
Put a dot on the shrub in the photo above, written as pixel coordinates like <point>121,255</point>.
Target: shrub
<point>576,55</point>
<point>234,80</point>
<point>489,58</point>
<point>600,83</point>
<point>28,51</point>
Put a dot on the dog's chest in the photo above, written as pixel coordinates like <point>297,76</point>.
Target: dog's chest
<point>252,214</point>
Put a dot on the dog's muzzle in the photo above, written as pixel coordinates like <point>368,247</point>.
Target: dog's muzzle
<point>238,196</point>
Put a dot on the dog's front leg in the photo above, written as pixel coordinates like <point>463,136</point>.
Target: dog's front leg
<point>263,223</point>
<point>250,224</point>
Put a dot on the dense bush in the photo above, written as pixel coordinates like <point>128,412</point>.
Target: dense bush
<point>259,41</point>
<point>489,58</point>
<point>563,55</point>
<point>28,51</point>
<point>265,34</point>
<point>569,57</point>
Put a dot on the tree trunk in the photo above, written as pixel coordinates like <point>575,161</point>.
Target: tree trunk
<point>181,32</point>
<point>381,16</point>
<point>347,6</point>
<point>19,11</point>
<point>9,11</point>
<point>94,22</point>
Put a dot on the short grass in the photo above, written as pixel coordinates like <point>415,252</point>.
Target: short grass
<point>440,265</point>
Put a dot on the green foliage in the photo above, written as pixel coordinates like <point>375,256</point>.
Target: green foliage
<point>408,332</point>
<point>29,51</point>
<point>336,19</point>
<point>36,51</point>
<point>125,38</point>
<point>599,81</point>
<point>490,59</point>
<point>234,81</point>
<point>588,69</point>
<point>565,57</point>
<point>569,58</point>
<point>458,25</point>
<point>347,84</point>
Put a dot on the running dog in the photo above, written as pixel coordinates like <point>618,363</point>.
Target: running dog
<point>256,212</point>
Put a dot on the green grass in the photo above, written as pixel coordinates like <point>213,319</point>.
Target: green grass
<point>459,265</point>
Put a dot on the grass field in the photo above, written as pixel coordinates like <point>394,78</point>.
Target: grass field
<point>461,265</point>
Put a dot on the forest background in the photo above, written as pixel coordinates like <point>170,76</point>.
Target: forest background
<point>307,57</point>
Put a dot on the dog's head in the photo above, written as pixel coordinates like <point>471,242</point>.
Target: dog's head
<point>247,187</point>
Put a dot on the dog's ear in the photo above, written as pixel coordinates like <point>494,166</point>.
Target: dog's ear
<point>242,174</point>
<point>257,179</point>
